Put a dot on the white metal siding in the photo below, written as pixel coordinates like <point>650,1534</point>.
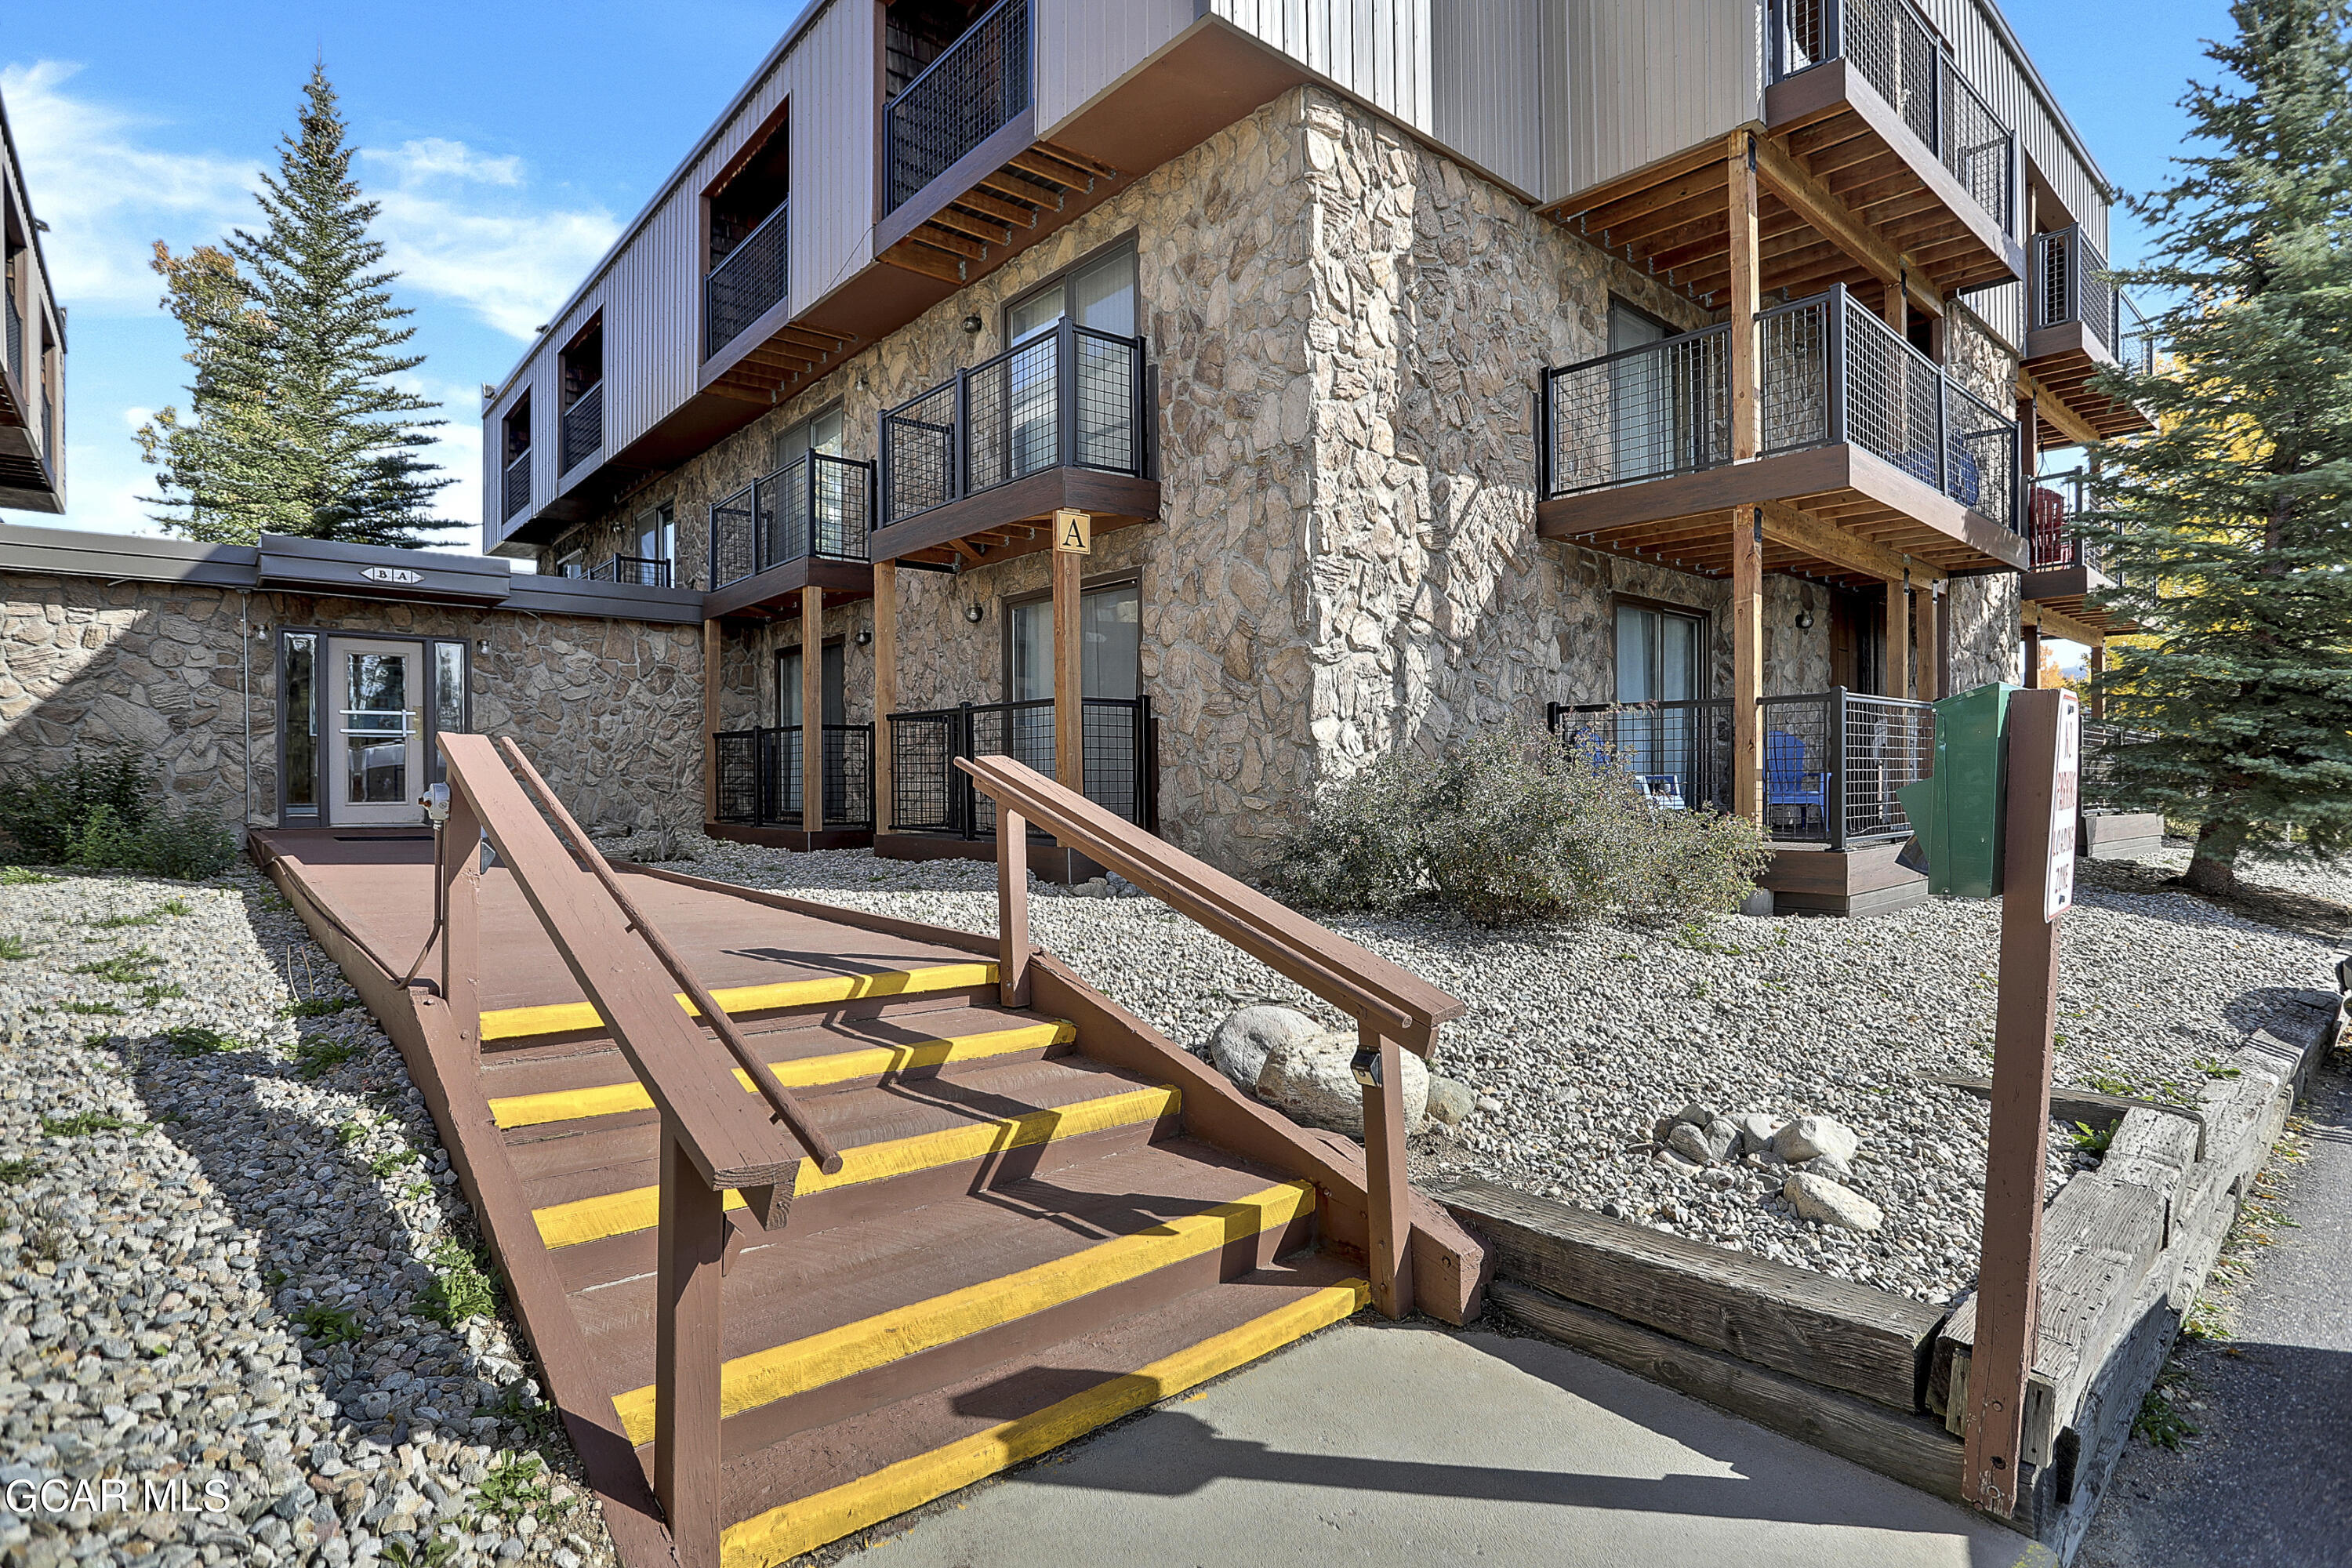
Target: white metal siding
<point>1487,61</point>
<point>1649,79</point>
<point>1082,46</point>
<point>1377,50</point>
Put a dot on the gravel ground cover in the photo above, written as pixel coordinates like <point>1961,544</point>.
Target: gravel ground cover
<point>242,1319</point>
<point>1578,1041</point>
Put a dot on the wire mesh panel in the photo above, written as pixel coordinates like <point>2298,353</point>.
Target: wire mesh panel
<point>2102,743</point>
<point>1013,417</point>
<point>582,426</point>
<point>919,464</point>
<point>1116,772</point>
<point>1642,414</point>
<point>778,509</point>
<point>848,775</point>
<point>1106,376</point>
<point>1794,360</point>
<point>1893,397</point>
<point>1980,457</point>
<point>841,506</point>
<point>1889,742</point>
<point>926,789</point>
<point>931,795</point>
<point>1979,150</point>
<point>738,762</point>
<point>779,776</point>
<point>734,550</point>
<point>518,484</point>
<point>981,83</point>
<point>1800,775</point>
<point>1678,751</point>
<point>637,571</point>
<point>748,282</point>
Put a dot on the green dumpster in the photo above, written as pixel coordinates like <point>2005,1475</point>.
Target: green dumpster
<point>1957,810</point>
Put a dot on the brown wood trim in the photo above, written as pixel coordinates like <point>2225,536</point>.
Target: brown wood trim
<point>1922,503</point>
<point>945,936</point>
<point>1782,477</point>
<point>1112,500</point>
<point>851,579</point>
<point>1013,137</point>
<point>425,1037</point>
<point>2062,583</point>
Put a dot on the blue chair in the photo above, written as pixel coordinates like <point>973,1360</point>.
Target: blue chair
<point>1787,781</point>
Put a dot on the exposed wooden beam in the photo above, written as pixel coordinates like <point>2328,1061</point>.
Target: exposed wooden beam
<point>2054,411</point>
<point>1045,166</point>
<point>911,258</point>
<point>2050,623</point>
<point>1078,161</point>
<point>1784,525</point>
<point>988,231</point>
<point>1011,214</point>
<point>1021,190</point>
<point>740,394</point>
<point>1808,197</point>
<point>948,240</point>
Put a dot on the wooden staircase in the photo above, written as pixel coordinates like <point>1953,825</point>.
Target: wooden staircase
<point>1042,1215</point>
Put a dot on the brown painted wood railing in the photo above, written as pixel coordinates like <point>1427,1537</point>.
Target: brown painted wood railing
<point>1394,1009</point>
<point>714,1136</point>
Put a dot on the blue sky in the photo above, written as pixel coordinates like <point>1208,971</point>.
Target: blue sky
<point>508,141</point>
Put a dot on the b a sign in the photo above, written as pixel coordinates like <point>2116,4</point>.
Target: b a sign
<point>2065,807</point>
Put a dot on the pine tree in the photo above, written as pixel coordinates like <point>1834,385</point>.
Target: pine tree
<point>2231,525</point>
<point>295,425</point>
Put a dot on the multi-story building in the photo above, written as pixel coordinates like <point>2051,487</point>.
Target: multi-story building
<point>33,363</point>
<point>1414,366</point>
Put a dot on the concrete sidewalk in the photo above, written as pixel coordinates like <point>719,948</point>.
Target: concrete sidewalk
<point>2267,1482</point>
<point>1408,1445</point>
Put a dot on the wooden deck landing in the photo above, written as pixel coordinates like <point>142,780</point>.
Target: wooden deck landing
<point>1046,1216</point>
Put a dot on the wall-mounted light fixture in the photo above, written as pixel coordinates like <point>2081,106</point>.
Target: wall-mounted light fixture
<point>1804,620</point>
<point>482,645</point>
<point>864,637</point>
<point>974,613</point>
<point>972,324</point>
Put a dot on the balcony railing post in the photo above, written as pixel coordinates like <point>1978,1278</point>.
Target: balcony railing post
<point>1834,772</point>
<point>1837,364</point>
<point>959,442</point>
<point>1065,392</point>
<point>1833,29</point>
<point>960,781</point>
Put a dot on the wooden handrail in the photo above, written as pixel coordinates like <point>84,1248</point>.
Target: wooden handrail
<point>1393,1007</point>
<point>779,1099</point>
<point>1354,979</point>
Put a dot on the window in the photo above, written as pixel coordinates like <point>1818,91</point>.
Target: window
<point>572,562</point>
<point>657,533</point>
<point>1110,645</point>
<point>298,723</point>
<point>1099,293</point>
<point>819,433</point>
<point>449,688</point>
<point>583,402</point>
<point>1661,657</point>
<point>831,674</point>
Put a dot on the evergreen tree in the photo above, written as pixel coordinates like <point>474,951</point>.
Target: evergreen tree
<point>2231,525</point>
<point>294,423</point>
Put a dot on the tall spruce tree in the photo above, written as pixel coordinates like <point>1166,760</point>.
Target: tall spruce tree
<point>294,423</point>
<point>2231,523</point>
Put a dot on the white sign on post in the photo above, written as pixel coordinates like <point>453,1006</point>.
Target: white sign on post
<point>2065,803</point>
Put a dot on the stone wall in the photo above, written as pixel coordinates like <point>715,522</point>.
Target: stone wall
<point>610,710</point>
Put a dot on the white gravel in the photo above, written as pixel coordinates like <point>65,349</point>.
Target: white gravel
<point>154,1276</point>
<point>2329,879</point>
<point>1585,1037</point>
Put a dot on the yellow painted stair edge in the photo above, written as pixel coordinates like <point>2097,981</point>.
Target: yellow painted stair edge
<point>567,1018</point>
<point>785,1532</point>
<point>617,1213</point>
<point>803,1072</point>
<point>762,1377</point>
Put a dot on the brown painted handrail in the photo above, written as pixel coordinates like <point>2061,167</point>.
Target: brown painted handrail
<point>1352,978</point>
<point>779,1098</point>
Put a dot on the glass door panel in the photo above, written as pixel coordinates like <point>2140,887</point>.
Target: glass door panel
<point>376,732</point>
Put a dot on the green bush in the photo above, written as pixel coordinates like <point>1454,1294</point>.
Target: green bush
<point>189,845</point>
<point>1511,828</point>
<point>101,812</point>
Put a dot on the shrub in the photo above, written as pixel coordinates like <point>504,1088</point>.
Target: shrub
<point>461,1287</point>
<point>188,845</point>
<point>1511,828</point>
<point>44,812</point>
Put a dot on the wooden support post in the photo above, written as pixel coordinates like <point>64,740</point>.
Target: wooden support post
<point>710,677</point>
<point>1011,907</point>
<point>1069,696</point>
<point>2098,703</point>
<point>460,853</point>
<point>1747,662</point>
<point>1898,638</point>
<point>1388,1196</point>
<point>1896,308</point>
<point>811,710</point>
<point>1747,404</point>
<point>2040,792</point>
<point>692,1240</point>
<point>1931,647</point>
<point>2032,657</point>
<point>885,689</point>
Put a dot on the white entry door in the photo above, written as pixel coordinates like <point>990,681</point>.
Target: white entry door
<point>376,713</point>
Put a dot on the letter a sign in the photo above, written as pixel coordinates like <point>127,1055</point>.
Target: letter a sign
<point>1074,533</point>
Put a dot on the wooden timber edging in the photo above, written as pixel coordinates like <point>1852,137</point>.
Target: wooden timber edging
<point>1880,1379</point>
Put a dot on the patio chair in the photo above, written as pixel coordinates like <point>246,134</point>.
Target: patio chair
<point>1787,781</point>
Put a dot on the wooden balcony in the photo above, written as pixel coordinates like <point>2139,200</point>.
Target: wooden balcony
<point>1873,464</point>
<point>2062,589</point>
<point>1880,168</point>
<point>2081,325</point>
<point>804,527</point>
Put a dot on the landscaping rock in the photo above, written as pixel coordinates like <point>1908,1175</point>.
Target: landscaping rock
<point>1809,1136</point>
<point>1691,1143</point>
<point>1698,1113</point>
<point>1819,1199</point>
<point>1722,1140</point>
<point>1450,1103</point>
<point>1312,1080</point>
<point>1239,1045</point>
<point>1756,1129</point>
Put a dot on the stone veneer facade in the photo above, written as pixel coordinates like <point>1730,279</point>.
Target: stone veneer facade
<point>610,710</point>
<point>1347,327</point>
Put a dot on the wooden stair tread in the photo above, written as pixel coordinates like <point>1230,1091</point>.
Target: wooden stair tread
<point>798,980</point>
<point>827,1482</point>
<point>599,1064</point>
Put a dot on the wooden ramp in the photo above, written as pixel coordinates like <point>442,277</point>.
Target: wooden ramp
<point>1044,1215</point>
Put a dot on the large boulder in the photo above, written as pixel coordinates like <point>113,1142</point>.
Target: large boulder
<point>1824,1202</point>
<point>1450,1102</point>
<point>1239,1045</point>
<point>1809,1136</point>
<point>1312,1080</point>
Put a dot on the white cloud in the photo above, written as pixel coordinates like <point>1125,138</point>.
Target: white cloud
<point>449,237</point>
<point>108,193</point>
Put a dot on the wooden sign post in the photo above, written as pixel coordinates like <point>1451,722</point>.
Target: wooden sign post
<point>2043,773</point>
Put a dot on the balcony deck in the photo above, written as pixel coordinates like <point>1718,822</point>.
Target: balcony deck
<point>2081,325</point>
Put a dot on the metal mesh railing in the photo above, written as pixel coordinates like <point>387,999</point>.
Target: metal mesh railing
<point>582,426</point>
<point>15,340</point>
<point>1891,46</point>
<point>932,795</point>
<point>1833,760</point>
<point>1074,397</point>
<point>1641,413</point>
<point>1829,372</point>
<point>2052,510</point>
<point>2101,744</point>
<point>816,505</point>
<point>642,571</point>
<point>760,783</point>
<point>747,281</point>
<point>960,100</point>
<point>518,485</point>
